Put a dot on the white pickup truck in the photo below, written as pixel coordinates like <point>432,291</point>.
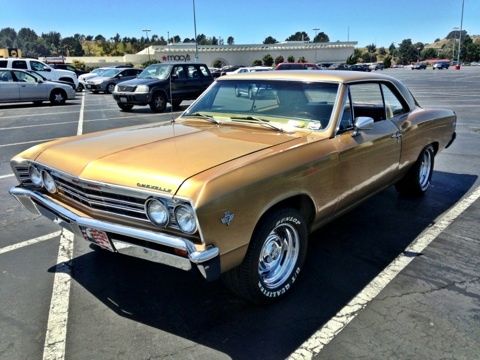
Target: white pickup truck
<point>41,68</point>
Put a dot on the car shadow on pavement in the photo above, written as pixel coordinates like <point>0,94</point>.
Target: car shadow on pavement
<point>44,104</point>
<point>343,258</point>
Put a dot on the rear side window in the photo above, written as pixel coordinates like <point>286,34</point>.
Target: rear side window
<point>3,63</point>
<point>393,106</point>
<point>19,64</point>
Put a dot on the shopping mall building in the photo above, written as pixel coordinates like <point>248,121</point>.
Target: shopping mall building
<point>332,52</point>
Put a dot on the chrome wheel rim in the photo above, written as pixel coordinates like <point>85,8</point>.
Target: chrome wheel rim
<point>279,255</point>
<point>158,102</point>
<point>58,98</point>
<point>425,169</point>
<point>110,88</point>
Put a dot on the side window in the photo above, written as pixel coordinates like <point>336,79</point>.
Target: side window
<point>24,77</point>
<point>203,70</point>
<point>5,76</point>
<point>3,63</point>
<point>346,123</point>
<point>193,72</point>
<point>367,100</point>
<point>37,66</point>
<point>393,106</point>
<point>19,64</point>
<point>179,72</point>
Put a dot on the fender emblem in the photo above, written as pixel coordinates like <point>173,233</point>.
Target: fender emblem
<point>227,218</point>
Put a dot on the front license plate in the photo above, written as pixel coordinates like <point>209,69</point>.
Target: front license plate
<point>123,99</point>
<point>98,237</point>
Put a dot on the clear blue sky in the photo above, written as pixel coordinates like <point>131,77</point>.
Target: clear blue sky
<point>370,21</point>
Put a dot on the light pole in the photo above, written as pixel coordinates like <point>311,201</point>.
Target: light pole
<point>146,31</point>
<point>195,29</point>
<point>460,37</point>
<point>316,33</point>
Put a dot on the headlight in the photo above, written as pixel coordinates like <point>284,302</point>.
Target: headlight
<point>116,89</point>
<point>157,212</point>
<point>35,176</point>
<point>185,217</point>
<point>142,89</point>
<point>48,182</point>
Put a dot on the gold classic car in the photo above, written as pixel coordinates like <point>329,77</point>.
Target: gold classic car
<point>237,182</point>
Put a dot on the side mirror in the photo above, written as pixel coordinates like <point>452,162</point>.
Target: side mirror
<point>362,123</point>
<point>174,76</point>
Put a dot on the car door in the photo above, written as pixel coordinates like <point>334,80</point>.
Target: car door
<point>9,90</point>
<point>179,82</point>
<point>29,88</point>
<point>369,158</point>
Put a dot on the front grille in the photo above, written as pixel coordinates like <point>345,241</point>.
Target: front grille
<point>96,198</point>
<point>126,88</point>
<point>22,174</point>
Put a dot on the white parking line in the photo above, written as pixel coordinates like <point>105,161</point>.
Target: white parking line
<point>80,117</point>
<point>56,336</point>
<point>335,325</point>
<point>26,142</point>
<point>29,242</point>
<point>6,176</point>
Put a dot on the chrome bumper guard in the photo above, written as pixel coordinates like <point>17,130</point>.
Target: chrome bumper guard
<point>207,261</point>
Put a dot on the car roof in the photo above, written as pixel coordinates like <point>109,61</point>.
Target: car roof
<point>310,75</point>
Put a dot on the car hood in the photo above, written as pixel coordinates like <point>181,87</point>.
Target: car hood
<point>99,79</point>
<point>137,81</point>
<point>158,157</point>
<point>66,72</point>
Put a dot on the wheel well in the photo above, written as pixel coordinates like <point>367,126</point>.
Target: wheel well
<point>58,90</point>
<point>435,147</point>
<point>302,203</point>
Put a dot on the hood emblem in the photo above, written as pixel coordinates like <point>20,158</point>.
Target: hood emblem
<point>227,218</point>
<point>154,187</point>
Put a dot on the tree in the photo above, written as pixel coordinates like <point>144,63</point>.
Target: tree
<point>321,37</point>
<point>428,53</point>
<point>257,62</point>
<point>268,60</point>
<point>230,40</point>
<point>291,59</point>
<point>298,36</point>
<point>301,59</point>
<point>279,59</point>
<point>218,63</point>
<point>99,38</point>
<point>26,35</point>
<point>371,48</point>
<point>52,41</point>
<point>407,52</point>
<point>270,40</point>
<point>201,39</point>
<point>382,51</point>
<point>8,38</point>
<point>392,49</point>
<point>353,59</point>
<point>387,62</point>
<point>213,41</point>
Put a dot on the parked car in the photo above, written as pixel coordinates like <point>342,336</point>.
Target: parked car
<point>360,67</point>
<point>441,65</point>
<point>162,83</point>
<point>82,79</point>
<point>69,67</point>
<point>248,69</point>
<point>297,66</point>
<point>109,78</point>
<point>342,66</point>
<point>419,66</point>
<point>235,185</point>
<point>24,86</point>
<point>43,69</point>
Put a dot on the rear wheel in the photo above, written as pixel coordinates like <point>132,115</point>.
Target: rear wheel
<point>417,180</point>
<point>125,107</point>
<point>158,102</point>
<point>274,258</point>
<point>57,97</point>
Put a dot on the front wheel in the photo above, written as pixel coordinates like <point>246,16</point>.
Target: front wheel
<point>417,180</point>
<point>110,88</point>
<point>158,103</point>
<point>274,258</point>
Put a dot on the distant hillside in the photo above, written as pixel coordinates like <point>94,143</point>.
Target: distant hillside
<point>441,44</point>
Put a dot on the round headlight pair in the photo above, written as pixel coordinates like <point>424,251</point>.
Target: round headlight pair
<point>42,179</point>
<point>158,214</point>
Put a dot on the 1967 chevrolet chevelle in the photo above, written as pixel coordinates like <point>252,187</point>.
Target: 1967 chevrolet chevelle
<point>237,182</point>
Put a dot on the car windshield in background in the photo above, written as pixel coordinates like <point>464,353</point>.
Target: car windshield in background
<point>110,72</point>
<point>156,71</point>
<point>277,101</point>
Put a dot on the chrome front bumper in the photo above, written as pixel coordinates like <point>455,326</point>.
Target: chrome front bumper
<point>207,261</point>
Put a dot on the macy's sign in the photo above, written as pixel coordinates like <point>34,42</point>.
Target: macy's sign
<point>176,57</point>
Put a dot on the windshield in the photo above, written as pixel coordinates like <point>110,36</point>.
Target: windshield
<point>98,71</point>
<point>110,72</point>
<point>305,105</point>
<point>155,71</point>
<point>37,76</point>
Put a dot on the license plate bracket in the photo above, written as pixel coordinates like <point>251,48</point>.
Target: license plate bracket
<point>98,237</point>
<point>123,99</point>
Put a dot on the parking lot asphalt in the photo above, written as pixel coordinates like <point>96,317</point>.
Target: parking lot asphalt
<point>122,308</point>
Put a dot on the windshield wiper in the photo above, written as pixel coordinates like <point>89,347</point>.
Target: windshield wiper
<point>204,116</point>
<point>256,120</point>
